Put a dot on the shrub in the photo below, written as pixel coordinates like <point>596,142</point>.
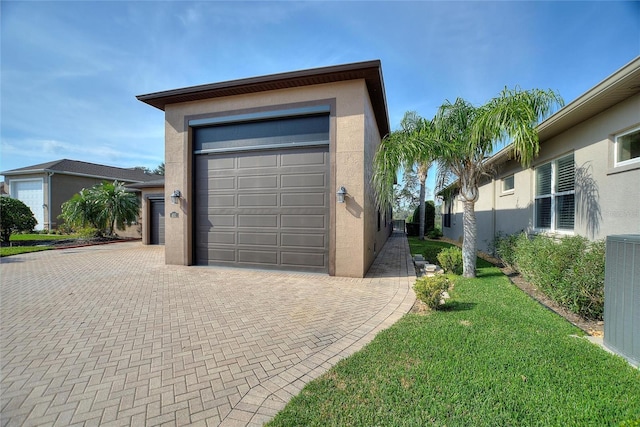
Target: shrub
<point>505,248</point>
<point>450,260</point>
<point>88,233</point>
<point>435,234</point>
<point>585,282</point>
<point>429,215</point>
<point>14,216</point>
<point>570,271</point>
<point>429,289</point>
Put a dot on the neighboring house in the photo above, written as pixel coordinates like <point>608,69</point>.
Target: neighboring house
<point>585,181</point>
<point>152,210</point>
<point>46,186</point>
<point>258,162</point>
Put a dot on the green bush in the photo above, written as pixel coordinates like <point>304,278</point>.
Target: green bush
<point>435,234</point>
<point>88,233</point>
<point>505,248</point>
<point>429,289</point>
<point>16,216</point>
<point>429,216</point>
<point>450,260</point>
<point>570,271</point>
<point>585,282</point>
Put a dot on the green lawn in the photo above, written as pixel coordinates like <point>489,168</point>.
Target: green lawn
<point>15,250</point>
<point>39,237</point>
<point>491,357</point>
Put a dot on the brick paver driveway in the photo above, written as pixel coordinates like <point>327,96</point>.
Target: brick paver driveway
<point>110,335</point>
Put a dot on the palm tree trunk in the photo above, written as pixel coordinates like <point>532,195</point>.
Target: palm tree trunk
<point>469,244</point>
<point>423,168</point>
<point>422,207</point>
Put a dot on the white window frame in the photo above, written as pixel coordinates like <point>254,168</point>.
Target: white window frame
<point>633,160</point>
<point>504,181</point>
<point>554,196</point>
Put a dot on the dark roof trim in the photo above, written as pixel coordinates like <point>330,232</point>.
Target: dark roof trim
<point>85,169</point>
<point>370,71</point>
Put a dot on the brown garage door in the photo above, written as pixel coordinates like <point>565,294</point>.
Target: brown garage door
<point>265,209</point>
<point>157,222</point>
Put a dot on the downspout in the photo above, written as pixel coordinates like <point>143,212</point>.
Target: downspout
<point>49,175</point>
<point>493,211</point>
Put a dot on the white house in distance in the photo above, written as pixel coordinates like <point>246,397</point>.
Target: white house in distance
<point>585,181</point>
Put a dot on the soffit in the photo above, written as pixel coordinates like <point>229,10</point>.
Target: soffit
<point>370,71</point>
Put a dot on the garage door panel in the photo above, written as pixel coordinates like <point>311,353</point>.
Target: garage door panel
<point>217,255</point>
<point>303,199</point>
<point>303,240</point>
<point>258,239</point>
<point>303,159</point>
<point>258,181</point>
<point>258,200</point>
<point>306,221</point>
<point>257,257</point>
<point>220,200</point>
<point>222,237</point>
<point>222,183</point>
<point>316,180</point>
<point>258,221</point>
<point>218,220</point>
<point>279,214</point>
<point>299,259</point>
<point>217,163</point>
<point>258,161</point>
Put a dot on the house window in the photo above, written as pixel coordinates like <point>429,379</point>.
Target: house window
<point>446,218</point>
<point>555,194</point>
<point>627,147</point>
<point>507,184</point>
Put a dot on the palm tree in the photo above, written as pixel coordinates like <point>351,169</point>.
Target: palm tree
<point>412,146</point>
<point>118,206</point>
<point>468,135</point>
<point>81,210</point>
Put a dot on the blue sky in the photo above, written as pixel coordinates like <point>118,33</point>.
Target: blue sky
<point>70,71</point>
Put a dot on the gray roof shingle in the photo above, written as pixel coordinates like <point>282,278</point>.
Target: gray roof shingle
<point>76,167</point>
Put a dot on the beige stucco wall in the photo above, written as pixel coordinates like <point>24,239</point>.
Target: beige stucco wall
<point>607,198</point>
<point>348,250</point>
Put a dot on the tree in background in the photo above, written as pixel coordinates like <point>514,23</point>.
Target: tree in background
<point>14,216</point>
<point>105,206</point>
<point>412,147</point>
<point>81,211</point>
<point>468,136</point>
<point>160,169</point>
<point>118,206</point>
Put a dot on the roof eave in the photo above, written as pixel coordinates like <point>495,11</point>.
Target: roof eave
<point>370,71</point>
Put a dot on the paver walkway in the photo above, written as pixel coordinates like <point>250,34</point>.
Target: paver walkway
<point>109,335</point>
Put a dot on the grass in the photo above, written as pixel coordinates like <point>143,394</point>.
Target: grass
<point>16,250</point>
<point>492,356</point>
<point>38,237</point>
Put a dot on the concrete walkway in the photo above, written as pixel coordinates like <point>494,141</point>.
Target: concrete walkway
<point>110,335</point>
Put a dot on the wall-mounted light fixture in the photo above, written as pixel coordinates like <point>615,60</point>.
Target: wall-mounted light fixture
<point>340,194</point>
<point>175,197</point>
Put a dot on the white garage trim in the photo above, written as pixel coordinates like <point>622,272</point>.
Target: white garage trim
<point>30,192</point>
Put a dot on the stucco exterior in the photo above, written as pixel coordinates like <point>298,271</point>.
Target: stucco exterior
<point>607,198</point>
<point>354,239</point>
